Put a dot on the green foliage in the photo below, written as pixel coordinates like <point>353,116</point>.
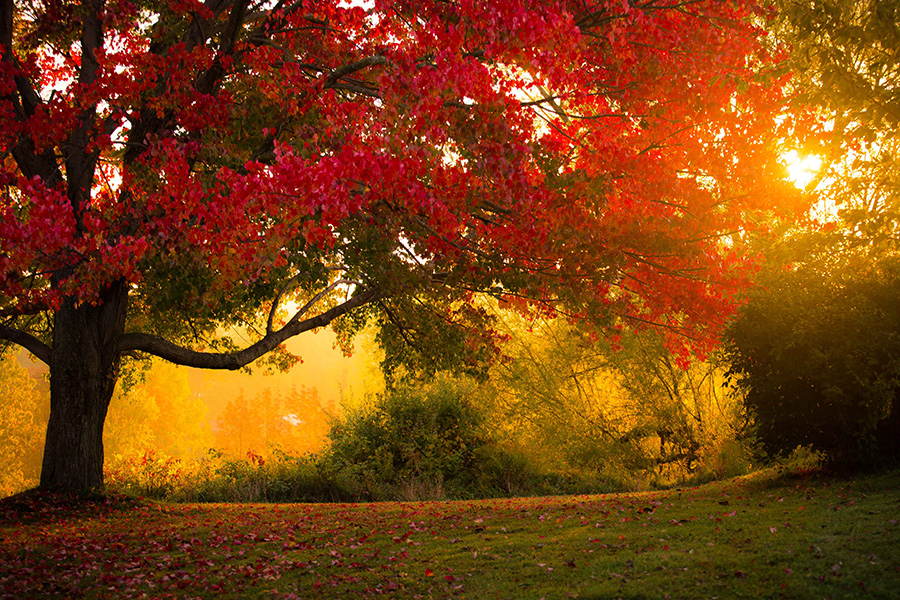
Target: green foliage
<point>847,53</point>
<point>818,355</point>
<point>845,63</point>
<point>817,349</point>
<point>432,332</point>
<point>426,438</point>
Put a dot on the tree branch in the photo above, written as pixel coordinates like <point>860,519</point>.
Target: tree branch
<point>148,121</point>
<point>81,164</point>
<point>207,83</point>
<point>27,341</point>
<point>157,346</point>
<point>25,100</point>
<point>356,89</point>
<point>332,78</point>
<point>270,322</point>
<point>21,310</point>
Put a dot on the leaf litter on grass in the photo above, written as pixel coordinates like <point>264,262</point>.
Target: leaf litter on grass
<point>750,537</point>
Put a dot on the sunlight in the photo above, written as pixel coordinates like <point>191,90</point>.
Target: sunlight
<point>801,169</point>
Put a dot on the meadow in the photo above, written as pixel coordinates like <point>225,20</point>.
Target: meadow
<point>770,534</point>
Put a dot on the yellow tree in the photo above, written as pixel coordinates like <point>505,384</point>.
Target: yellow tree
<point>295,422</point>
<point>240,427</point>
<point>306,420</point>
<point>158,413</point>
<point>23,417</point>
<point>182,426</point>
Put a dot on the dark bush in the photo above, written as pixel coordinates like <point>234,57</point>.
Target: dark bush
<point>818,356</point>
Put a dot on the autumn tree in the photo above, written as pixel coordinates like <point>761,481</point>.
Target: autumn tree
<point>292,422</point>
<point>627,408</point>
<point>170,170</point>
<point>310,418</point>
<point>815,348</point>
<point>846,57</point>
<point>159,412</point>
<point>22,417</point>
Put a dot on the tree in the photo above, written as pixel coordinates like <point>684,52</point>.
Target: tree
<point>241,428</point>
<point>292,422</point>
<point>174,170</point>
<point>182,428</point>
<point>623,409</point>
<point>159,412</point>
<point>22,414</point>
<point>846,56</point>
<point>815,348</point>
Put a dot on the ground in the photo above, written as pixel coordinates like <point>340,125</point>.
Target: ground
<point>767,535</point>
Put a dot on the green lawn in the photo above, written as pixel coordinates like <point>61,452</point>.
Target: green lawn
<point>753,537</point>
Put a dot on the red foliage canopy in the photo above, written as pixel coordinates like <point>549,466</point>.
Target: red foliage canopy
<point>596,153</point>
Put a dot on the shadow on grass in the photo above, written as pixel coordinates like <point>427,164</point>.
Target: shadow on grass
<point>43,506</point>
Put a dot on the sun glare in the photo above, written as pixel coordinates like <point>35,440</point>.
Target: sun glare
<point>801,169</point>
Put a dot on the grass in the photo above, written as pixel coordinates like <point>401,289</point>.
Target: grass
<point>764,535</point>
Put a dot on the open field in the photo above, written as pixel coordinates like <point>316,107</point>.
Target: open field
<point>760,536</point>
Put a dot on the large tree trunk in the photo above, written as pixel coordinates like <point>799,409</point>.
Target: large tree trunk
<point>84,365</point>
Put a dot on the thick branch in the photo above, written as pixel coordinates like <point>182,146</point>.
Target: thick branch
<point>27,341</point>
<point>208,82</point>
<point>356,89</point>
<point>7,8</point>
<point>81,164</point>
<point>25,102</point>
<point>149,121</point>
<point>28,95</point>
<point>157,346</point>
<point>20,310</point>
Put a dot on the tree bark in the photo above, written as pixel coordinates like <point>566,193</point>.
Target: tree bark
<point>84,364</point>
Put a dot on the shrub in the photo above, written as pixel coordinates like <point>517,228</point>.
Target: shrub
<point>412,438</point>
<point>146,474</point>
<point>819,359</point>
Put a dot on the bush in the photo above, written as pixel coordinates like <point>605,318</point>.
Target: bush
<point>146,474</point>
<point>414,442</point>
<point>215,477</point>
<point>728,458</point>
<point>819,359</point>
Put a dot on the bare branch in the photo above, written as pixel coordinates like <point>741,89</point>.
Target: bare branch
<point>284,290</point>
<point>27,341</point>
<point>551,100</point>
<point>306,307</point>
<point>157,346</point>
